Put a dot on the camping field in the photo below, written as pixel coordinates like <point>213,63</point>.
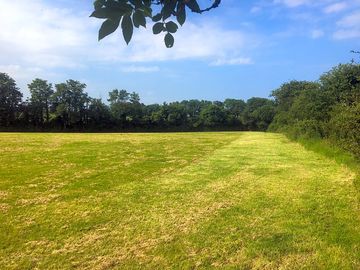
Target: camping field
<point>234,200</point>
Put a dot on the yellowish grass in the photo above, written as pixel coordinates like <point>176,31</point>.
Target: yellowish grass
<point>174,201</point>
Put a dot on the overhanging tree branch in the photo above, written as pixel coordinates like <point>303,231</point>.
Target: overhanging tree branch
<point>130,14</point>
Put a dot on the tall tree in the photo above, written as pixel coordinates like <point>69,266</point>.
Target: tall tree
<point>176,114</point>
<point>134,98</point>
<point>10,100</point>
<point>234,109</point>
<point>99,114</point>
<point>70,103</point>
<point>136,109</point>
<point>41,92</point>
<point>259,113</point>
<point>118,105</point>
<point>286,94</point>
<point>212,116</point>
<point>342,83</point>
<point>116,96</point>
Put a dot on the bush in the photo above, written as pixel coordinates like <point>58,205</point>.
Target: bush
<point>306,129</point>
<point>344,127</point>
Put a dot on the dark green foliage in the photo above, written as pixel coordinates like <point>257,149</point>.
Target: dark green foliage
<point>259,113</point>
<point>70,104</point>
<point>342,83</point>
<point>133,13</point>
<point>70,108</point>
<point>10,99</point>
<point>99,116</point>
<point>169,40</point>
<point>41,93</point>
<point>108,27</point>
<point>288,92</point>
<point>158,28</point>
<point>344,126</point>
<point>127,28</point>
<point>213,115</point>
<point>326,109</point>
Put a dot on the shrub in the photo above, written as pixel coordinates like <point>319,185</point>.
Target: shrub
<point>344,127</point>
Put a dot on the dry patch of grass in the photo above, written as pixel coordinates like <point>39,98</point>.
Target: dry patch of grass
<point>174,201</point>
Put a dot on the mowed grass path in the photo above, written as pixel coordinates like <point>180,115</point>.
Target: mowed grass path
<point>174,201</point>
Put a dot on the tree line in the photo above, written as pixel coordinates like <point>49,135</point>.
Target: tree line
<point>67,107</point>
<point>328,108</point>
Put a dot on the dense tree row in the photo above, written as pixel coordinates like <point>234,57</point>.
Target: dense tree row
<point>68,107</point>
<point>328,108</point>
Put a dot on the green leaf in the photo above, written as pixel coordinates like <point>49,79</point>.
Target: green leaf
<point>108,27</point>
<point>157,17</point>
<point>171,27</point>
<point>147,11</point>
<point>193,5</point>
<point>168,9</point>
<point>136,3</point>
<point>98,4</point>
<point>158,28</point>
<point>139,19</point>
<point>147,2</point>
<point>127,28</point>
<point>169,40</point>
<point>108,13</point>
<point>119,5</point>
<point>181,13</point>
<point>101,13</point>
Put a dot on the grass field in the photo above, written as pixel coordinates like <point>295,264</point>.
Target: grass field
<point>179,201</point>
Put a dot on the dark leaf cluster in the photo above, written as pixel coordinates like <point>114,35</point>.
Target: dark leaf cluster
<point>166,15</point>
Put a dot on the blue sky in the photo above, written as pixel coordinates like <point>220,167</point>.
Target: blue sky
<point>240,50</point>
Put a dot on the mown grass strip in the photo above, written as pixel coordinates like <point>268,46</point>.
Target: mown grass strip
<point>180,201</point>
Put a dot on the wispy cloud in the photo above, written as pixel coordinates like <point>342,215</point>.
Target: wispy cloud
<point>206,40</point>
<point>347,34</point>
<point>317,33</point>
<point>292,3</point>
<point>336,7</point>
<point>140,69</point>
<point>40,35</point>
<point>256,9</point>
<point>232,61</point>
<point>351,20</point>
<point>348,26</point>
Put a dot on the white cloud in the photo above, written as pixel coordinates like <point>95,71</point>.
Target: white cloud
<point>347,34</point>
<point>327,6</point>
<point>317,33</point>
<point>19,71</point>
<point>140,69</point>
<point>292,3</point>
<point>352,20</point>
<point>232,61</point>
<point>336,7</point>
<point>25,74</point>
<point>348,26</point>
<point>202,41</point>
<point>41,36</point>
<point>255,9</point>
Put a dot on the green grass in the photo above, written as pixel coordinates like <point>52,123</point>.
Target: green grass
<point>328,149</point>
<point>176,201</point>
